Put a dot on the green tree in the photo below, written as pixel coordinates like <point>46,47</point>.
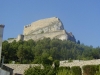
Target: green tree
<point>56,64</point>
<point>20,53</point>
<point>47,60</point>
<point>98,72</point>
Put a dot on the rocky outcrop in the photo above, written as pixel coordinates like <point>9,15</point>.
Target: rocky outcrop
<point>45,28</point>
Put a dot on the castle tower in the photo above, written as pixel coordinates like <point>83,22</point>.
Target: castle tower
<point>20,37</point>
<point>1,36</point>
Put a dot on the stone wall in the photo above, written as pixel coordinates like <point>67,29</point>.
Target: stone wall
<point>79,63</point>
<point>20,68</point>
<point>19,37</point>
<point>11,40</point>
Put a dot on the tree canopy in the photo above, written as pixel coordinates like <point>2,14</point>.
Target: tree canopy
<point>45,50</point>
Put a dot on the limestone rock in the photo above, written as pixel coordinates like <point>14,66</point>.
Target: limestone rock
<point>43,26</point>
<point>46,28</point>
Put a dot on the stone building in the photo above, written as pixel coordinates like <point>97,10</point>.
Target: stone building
<point>45,28</point>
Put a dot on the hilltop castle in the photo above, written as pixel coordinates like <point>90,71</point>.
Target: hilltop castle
<point>45,28</point>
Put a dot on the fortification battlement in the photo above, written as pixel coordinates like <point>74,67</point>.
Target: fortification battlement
<point>29,25</point>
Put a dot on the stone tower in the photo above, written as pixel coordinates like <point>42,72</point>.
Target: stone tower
<point>1,36</point>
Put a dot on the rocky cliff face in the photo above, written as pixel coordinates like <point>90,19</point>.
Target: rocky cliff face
<point>43,26</point>
<point>46,28</point>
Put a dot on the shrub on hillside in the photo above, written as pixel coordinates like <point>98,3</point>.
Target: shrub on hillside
<point>63,71</point>
<point>56,64</point>
<point>61,68</point>
<point>34,71</point>
<point>98,72</point>
<point>76,70</point>
<point>89,69</point>
<point>38,71</point>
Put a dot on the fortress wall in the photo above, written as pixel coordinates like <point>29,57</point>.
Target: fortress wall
<point>20,37</point>
<point>20,68</point>
<point>47,35</point>
<point>11,40</point>
<point>27,29</point>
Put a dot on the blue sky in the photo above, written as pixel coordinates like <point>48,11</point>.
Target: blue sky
<point>81,17</point>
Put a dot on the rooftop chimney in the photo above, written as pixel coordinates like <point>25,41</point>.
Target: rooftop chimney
<point>1,36</point>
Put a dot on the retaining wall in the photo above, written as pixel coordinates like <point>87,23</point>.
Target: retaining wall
<point>20,68</point>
